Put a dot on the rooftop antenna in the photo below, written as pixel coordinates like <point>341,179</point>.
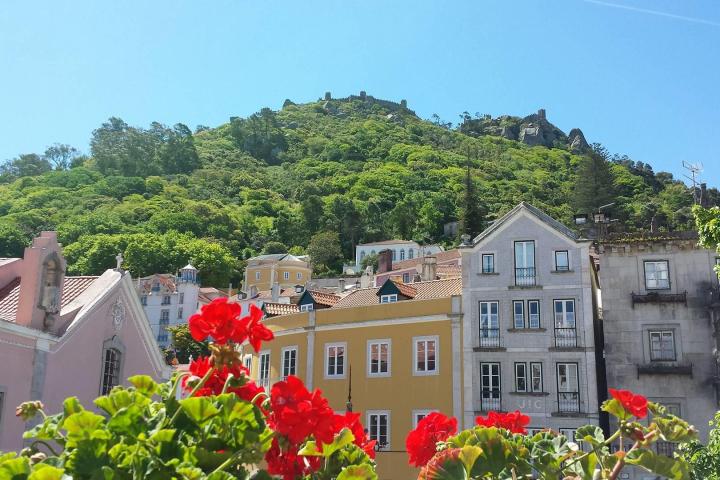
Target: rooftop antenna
<point>694,169</point>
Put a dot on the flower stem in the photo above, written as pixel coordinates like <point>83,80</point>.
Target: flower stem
<point>47,445</point>
<point>227,463</point>
<point>194,391</point>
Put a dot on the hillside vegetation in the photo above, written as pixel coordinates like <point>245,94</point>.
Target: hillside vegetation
<point>362,168</point>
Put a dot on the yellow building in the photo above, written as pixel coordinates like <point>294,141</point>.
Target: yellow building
<point>264,271</point>
<point>393,353</point>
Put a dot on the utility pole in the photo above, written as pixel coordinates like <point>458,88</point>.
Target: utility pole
<point>694,169</point>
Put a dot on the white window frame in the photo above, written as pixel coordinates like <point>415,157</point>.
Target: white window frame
<point>379,342</point>
<point>489,313</point>
<point>298,275</point>
<point>662,333</point>
<point>180,312</point>
<point>368,415</point>
<point>335,376</point>
<point>523,323</point>
<point>286,275</point>
<point>416,413</point>
<point>566,268</point>
<point>257,275</point>
<point>166,297</point>
<point>264,380</point>
<point>530,315</point>
<point>406,277</point>
<point>482,262</point>
<point>247,363</point>
<point>390,298</point>
<point>428,338</point>
<point>307,307</point>
<point>564,313</point>
<point>165,316</point>
<point>532,377</point>
<point>656,280</point>
<point>569,433</point>
<point>283,352</point>
<point>524,377</point>
<point>402,254</point>
<point>181,298</point>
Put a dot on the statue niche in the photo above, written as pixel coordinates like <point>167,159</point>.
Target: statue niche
<point>51,286</point>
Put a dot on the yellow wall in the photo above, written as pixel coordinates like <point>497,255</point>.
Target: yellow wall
<point>401,392</point>
<point>264,283</point>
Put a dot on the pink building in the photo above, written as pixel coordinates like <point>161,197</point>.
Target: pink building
<point>66,336</point>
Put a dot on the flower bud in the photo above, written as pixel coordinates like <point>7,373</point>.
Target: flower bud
<point>28,410</point>
<point>37,458</point>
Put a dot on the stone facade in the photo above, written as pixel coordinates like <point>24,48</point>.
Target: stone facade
<point>529,341</point>
<point>657,324</point>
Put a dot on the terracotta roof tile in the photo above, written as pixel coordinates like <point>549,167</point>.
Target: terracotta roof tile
<point>10,297</point>
<point>273,309</point>
<point>425,291</point>
<point>405,289</point>
<point>324,298</point>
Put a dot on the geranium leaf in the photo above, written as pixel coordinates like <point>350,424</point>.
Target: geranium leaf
<point>591,434</point>
<point>615,408</point>
<point>46,472</point>
<point>81,425</point>
<point>468,455</point>
<point>673,468</point>
<point>310,449</point>
<point>357,472</point>
<point>674,429</point>
<point>199,409</point>
<point>15,469</point>
<point>144,384</point>
<point>71,405</point>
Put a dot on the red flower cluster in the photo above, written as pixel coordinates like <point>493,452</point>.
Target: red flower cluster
<point>352,421</point>
<point>296,413</point>
<point>286,462</point>
<point>220,320</point>
<point>420,443</point>
<point>634,404</point>
<point>214,385</point>
<point>513,421</point>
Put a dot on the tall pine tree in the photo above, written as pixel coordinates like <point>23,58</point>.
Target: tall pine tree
<point>470,209</point>
<point>594,184</point>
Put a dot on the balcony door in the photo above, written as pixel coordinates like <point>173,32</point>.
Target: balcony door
<point>525,262</point>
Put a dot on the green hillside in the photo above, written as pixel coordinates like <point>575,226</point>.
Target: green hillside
<point>363,168</point>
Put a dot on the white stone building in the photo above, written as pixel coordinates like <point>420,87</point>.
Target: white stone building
<point>401,250</point>
<point>169,300</point>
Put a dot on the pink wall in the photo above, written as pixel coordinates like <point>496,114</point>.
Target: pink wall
<point>16,357</point>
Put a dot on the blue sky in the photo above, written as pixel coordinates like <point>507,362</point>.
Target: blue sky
<point>642,76</point>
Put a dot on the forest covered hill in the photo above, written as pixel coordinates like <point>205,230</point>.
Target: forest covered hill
<point>360,168</point>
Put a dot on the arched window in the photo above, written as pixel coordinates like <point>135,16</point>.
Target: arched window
<point>411,253</point>
<point>394,254</point>
<point>372,253</point>
<point>111,370</point>
<point>112,362</point>
<point>402,254</point>
<point>362,254</point>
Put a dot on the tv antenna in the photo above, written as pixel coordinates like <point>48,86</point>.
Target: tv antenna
<point>694,169</point>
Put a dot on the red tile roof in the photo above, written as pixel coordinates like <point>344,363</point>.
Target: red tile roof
<point>405,289</point>
<point>424,291</point>
<point>10,294</point>
<point>324,298</point>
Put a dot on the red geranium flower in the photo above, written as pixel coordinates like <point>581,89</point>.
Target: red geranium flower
<point>352,421</point>
<point>515,421</point>
<point>634,404</point>
<point>219,320</point>
<point>287,463</point>
<point>214,385</point>
<point>421,442</point>
<point>296,413</point>
<point>253,329</point>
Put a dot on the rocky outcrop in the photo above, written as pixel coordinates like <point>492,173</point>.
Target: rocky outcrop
<point>577,141</point>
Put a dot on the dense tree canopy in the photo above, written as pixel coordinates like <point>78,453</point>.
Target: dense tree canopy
<point>363,170</point>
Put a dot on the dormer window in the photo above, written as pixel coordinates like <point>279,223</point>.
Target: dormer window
<point>308,307</point>
<point>392,298</point>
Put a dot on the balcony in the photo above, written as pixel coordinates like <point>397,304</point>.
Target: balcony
<point>566,338</point>
<point>490,339</point>
<point>490,400</point>
<point>525,277</point>
<point>568,403</point>
<point>665,448</point>
<point>665,368</point>
<point>657,297</point>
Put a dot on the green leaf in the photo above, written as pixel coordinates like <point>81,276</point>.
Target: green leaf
<point>310,449</point>
<point>81,425</point>
<point>46,472</point>
<point>591,434</point>
<point>615,408</point>
<point>14,469</point>
<point>71,405</point>
<point>221,475</point>
<point>199,409</point>
<point>357,472</point>
<point>468,455</point>
<point>144,384</point>
<point>673,468</point>
<point>674,429</point>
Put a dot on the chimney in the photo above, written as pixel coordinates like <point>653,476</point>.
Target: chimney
<point>275,292</point>
<point>384,261</point>
<point>341,285</point>
<point>429,268</point>
<point>704,201</point>
<point>41,283</point>
<point>366,279</point>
